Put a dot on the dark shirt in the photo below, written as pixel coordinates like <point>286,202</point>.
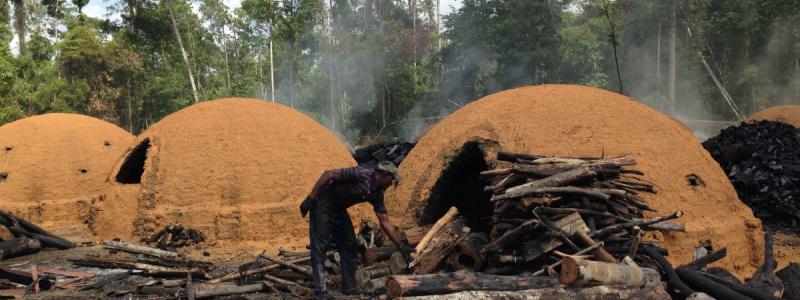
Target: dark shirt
<point>356,185</point>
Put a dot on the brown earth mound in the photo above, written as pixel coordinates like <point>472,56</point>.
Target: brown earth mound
<point>235,169</point>
<point>54,163</point>
<point>789,114</point>
<point>569,120</point>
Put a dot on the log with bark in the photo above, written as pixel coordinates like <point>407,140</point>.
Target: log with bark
<point>588,273</point>
<point>18,247</point>
<point>440,246</point>
<point>790,276</point>
<point>764,278</point>
<point>431,284</point>
<point>466,255</point>
<point>545,293</point>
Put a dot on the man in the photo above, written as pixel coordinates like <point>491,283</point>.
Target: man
<point>334,192</point>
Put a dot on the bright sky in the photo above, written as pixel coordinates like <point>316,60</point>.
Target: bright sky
<point>97,8</point>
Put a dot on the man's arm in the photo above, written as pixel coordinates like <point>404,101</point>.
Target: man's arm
<point>388,228</point>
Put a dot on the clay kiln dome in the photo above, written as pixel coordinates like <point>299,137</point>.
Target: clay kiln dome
<point>789,114</point>
<point>569,120</point>
<point>56,156</point>
<point>235,169</point>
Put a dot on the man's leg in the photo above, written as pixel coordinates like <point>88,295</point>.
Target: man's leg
<point>345,239</point>
<point>319,232</point>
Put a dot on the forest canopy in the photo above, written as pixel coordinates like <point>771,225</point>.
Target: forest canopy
<point>382,69</point>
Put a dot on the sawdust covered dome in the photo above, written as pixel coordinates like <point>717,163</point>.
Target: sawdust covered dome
<point>789,114</point>
<point>570,120</point>
<point>235,169</point>
<point>56,156</point>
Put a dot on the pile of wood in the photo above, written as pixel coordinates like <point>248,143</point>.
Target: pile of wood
<point>19,237</point>
<point>762,160</point>
<point>176,236</point>
<point>578,220</point>
<point>371,155</point>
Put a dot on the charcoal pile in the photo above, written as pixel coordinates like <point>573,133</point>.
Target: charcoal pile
<point>176,236</point>
<point>20,237</point>
<point>394,151</point>
<point>762,160</point>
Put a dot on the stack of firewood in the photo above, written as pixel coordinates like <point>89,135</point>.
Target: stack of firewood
<point>547,207</point>
<point>19,237</point>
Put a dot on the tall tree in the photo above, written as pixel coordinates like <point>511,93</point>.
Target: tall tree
<point>183,50</point>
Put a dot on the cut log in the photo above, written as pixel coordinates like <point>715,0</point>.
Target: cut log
<point>746,290</point>
<point>132,248</point>
<point>5,233</point>
<point>513,157</point>
<point>674,283</point>
<point>398,264</point>
<point>558,263</point>
<point>511,236</point>
<point>415,235</point>
<point>602,233</point>
<point>431,284</point>
<point>301,270</point>
<point>702,283</point>
<point>375,286</point>
<point>440,246</point>
<point>703,261</point>
<point>238,275</point>
<point>444,220</point>
<point>373,255</point>
<point>547,293</point>
<point>560,179</point>
<point>764,278</point>
<point>364,275</point>
<point>599,253</point>
<point>466,254</point>
<point>790,276</point>
<point>540,245</point>
<point>229,290</point>
<point>18,247</point>
<point>587,273</point>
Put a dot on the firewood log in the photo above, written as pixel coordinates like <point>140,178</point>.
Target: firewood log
<point>18,247</point>
<point>586,272</point>
<point>547,293</point>
<point>702,283</point>
<point>444,220</point>
<point>364,275</point>
<point>790,276</point>
<point>560,179</point>
<point>764,277</point>
<point>431,284</point>
<point>440,246</point>
<point>466,254</point>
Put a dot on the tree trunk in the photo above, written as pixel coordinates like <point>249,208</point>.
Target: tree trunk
<point>271,64</point>
<point>183,50</point>
<point>431,284</point>
<point>673,53</point>
<point>19,24</point>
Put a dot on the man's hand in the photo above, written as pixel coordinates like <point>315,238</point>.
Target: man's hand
<point>305,206</point>
<point>406,250</point>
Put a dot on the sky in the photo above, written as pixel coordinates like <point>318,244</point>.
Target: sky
<point>97,8</point>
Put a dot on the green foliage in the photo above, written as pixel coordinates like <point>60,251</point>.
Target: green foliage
<point>377,69</point>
